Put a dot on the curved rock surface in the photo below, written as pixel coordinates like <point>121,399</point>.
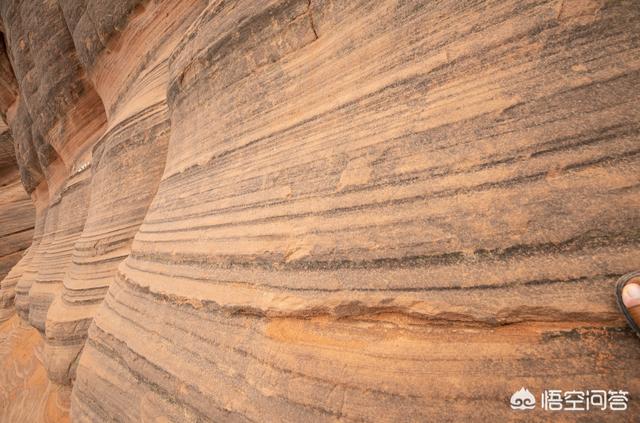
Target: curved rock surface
<point>131,153</point>
<point>16,208</point>
<point>26,395</point>
<point>295,210</point>
<point>16,231</point>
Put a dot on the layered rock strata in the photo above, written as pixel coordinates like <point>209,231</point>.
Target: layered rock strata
<point>362,211</point>
<point>16,209</point>
<point>16,231</point>
<point>65,221</point>
<point>28,270</point>
<point>131,153</point>
<point>57,119</point>
<point>297,210</point>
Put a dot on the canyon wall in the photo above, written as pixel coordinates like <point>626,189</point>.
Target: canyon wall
<point>16,209</point>
<point>324,210</point>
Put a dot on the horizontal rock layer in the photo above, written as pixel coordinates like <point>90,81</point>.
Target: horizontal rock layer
<point>130,153</point>
<point>16,231</point>
<point>363,216</point>
<point>16,208</point>
<point>297,210</point>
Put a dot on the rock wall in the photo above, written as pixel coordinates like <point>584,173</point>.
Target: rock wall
<point>16,208</point>
<point>296,210</point>
<point>26,394</point>
<point>16,232</point>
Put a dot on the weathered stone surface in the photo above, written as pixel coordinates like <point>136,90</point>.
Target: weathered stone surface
<point>295,210</point>
<point>63,105</point>
<point>8,93</point>
<point>33,257</point>
<point>57,120</point>
<point>369,208</point>
<point>70,211</point>
<point>131,153</point>
<point>16,209</point>
<point>26,395</point>
<point>16,231</point>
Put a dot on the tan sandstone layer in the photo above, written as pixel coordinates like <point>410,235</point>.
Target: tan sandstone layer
<point>16,231</point>
<point>325,210</point>
<point>16,208</point>
<point>362,206</point>
<point>26,395</point>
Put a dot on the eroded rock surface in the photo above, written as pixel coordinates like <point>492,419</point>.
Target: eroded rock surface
<point>16,208</point>
<point>26,394</point>
<point>16,223</point>
<point>295,210</point>
<point>132,83</point>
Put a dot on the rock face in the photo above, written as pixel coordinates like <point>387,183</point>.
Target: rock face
<point>130,153</point>
<point>297,210</point>
<point>16,208</point>
<point>16,220</point>
<point>26,395</point>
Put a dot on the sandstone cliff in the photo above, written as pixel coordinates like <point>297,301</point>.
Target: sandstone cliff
<point>16,208</point>
<point>324,210</point>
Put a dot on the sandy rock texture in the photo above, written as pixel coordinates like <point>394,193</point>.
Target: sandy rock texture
<point>16,208</point>
<point>323,210</point>
<point>58,117</point>
<point>131,153</point>
<point>16,231</point>
<point>26,394</point>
